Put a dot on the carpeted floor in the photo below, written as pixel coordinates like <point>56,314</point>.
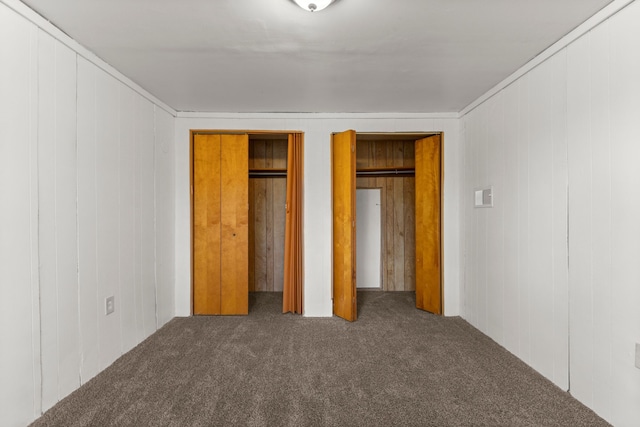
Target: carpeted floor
<point>395,366</point>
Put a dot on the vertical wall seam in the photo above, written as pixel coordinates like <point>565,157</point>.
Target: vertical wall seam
<point>35,211</point>
<point>518,218</point>
<point>610,143</point>
<point>591,224</point>
<point>528,158</point>
<point>155,212</point>
<point>462,186</point>
<point>119,237</point>
<point>553,209</point>
<point>487,231</point>
<point>136,223</point>
<point>553,141</point>
<point>554,281</point>
<point>504,215</point>
<point>55,213</point>
<point>96,216</point>
<point>133,219</point>
<point>80,343</point>
<point>568,206</point>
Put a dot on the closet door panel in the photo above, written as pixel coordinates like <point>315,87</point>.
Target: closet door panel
<point>428,224</point>
<point>343,164</point>
<point>234,159</point>
<point>206,224</point>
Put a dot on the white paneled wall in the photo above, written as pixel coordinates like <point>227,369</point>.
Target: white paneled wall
<point>317,194</point>
<point>145,238</point>
<point>20,375</point>
<point>94,181</point>
<point>604,207</point>
<point>127,298</point>
<point>86,189</point>
<point>516,273</point>
<point>551,271</point>
<point>165,217</point>
<point>57,165</point>
<point>623,379</point>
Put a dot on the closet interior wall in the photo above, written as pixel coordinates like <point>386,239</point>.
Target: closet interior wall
<point>397,210</point>
<point>267,199</point>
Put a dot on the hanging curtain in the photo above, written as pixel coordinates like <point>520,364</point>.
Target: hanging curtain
<point>292,292</point>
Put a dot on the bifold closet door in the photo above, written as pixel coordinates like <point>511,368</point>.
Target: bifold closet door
<point>220,224</point>
<point>234,163</point>
<point>343,165</point>
<point>428,224</point>
<point>206,224</point>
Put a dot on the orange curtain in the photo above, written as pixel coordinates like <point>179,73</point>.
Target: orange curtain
<point>292,292</point>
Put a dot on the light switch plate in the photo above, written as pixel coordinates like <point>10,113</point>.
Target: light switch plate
<point>637,355</point>
<point>483,197</point>
<point>109,305</point>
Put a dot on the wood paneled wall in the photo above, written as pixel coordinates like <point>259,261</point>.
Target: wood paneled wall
<point>397,210</point>
<point>267,198</point>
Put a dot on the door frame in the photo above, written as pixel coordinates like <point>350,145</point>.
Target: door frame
<point>192,134</point>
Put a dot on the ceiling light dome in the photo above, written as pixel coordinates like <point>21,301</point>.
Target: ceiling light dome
<point>313,5</point>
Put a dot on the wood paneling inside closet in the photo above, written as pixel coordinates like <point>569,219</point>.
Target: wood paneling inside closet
<point>397,210</point>
<point>267,198</point>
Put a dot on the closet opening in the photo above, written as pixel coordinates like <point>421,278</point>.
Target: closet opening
<point>267,215</point>
<point>387,217</point>
<point>385,162</point>
<point>246,204</point>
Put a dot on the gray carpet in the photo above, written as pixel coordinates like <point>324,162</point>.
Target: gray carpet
<point>394,366</point>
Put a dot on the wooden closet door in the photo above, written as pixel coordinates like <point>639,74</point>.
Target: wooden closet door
<point>428,183</point>
<point>206,224</point>
<point>234,161</point>
<point>343,167</point>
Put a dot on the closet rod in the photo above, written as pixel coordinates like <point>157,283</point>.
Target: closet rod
<point>267,174</point>
<point>386,172</point>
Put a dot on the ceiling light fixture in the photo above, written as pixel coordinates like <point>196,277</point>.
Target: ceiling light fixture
<point>313,5</point>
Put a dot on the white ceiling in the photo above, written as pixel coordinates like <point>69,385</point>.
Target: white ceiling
<point>355,56</point>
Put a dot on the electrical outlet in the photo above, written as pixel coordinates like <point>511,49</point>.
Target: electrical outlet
<point>109,305</point>
<point>637,355</point>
